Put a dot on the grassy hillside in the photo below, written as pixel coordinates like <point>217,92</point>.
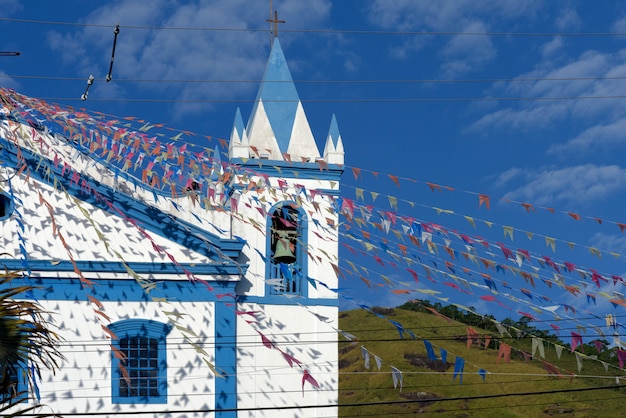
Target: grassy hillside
<point>425,379</point>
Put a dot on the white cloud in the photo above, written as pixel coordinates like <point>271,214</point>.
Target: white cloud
<point>463,54</point>
<point>409,14</point>
<point>568,18</point>
<point>584,79</point>
<point>177,54</point>
<point>8,82</point>
<point>600,137</point>
<point>582,185</point>
<point>608,242</point>
<point>619,26</point>
<point>9,7</point>
<point>551,47</point>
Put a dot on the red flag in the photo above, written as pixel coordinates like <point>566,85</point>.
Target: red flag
<point>434,186</point>
<point>266,342</point>
<point>574,216</point>
<point>577,339</point>
<point>504,353</point>
<point>621,356</point>
<point>551,369</point>
<point>483,198</point>
<point>306,377</point>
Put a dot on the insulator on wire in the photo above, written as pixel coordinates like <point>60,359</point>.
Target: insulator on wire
<point>116,31</point>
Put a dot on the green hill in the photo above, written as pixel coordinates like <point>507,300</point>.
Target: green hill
<point>519,388</point>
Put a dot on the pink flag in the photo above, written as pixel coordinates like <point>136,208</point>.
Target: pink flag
<point>621,357</point>
<point>577,340</point>
<point>306,377</point>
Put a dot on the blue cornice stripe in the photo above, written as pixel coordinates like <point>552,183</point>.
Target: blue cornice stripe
<point>227,268</point>
<point>288,300</point>
<point>127,290</point>
<point>148,217</point>
<point>306,171</point>
<point>225,361</point>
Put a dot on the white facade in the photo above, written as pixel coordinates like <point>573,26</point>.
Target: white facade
<point>174,303</point>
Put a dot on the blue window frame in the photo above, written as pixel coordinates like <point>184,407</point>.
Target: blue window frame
<point>6,206</point>
<point>139,361</point>
<point>287,247</point>
<point>13,383</point>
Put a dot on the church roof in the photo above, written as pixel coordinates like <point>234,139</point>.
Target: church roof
<point>279,96</point>
<point>278,128</point>
<point>115,166</point>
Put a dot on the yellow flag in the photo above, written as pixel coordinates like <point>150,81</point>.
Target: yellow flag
<point>393,202</point>
<point>595,251</point>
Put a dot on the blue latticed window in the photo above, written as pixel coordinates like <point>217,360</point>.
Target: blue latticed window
<point>13,386</point>
<point>6,206</point>
<point>139,360</point>
<point>287,249</point>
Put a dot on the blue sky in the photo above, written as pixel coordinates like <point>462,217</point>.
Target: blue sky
<point>519,100</point>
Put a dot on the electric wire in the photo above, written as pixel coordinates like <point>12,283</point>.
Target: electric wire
<point>345,405</point>
<point>479,408</point>
<point>322,81</point>
<point>348,100</point>
<point>325,31</point>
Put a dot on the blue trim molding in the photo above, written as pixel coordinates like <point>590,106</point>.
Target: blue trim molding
<point>225,267</point>
<point>6,205</point>
<point>141,346</point>
<point>280,169</point>
<point>225,361</point>
<point>50,287</point>
<point>288,300</point>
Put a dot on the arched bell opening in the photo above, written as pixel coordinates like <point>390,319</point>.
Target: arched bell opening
<point>286,236</point>
<point>284,239</point>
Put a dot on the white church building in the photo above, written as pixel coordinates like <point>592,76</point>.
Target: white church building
<point>183,283</point>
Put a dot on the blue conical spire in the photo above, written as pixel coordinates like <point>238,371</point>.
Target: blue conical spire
<point>333,132</point>
<point>333,151</point>
<point>279,96</point>
<point>238,126</point>
<point>278,128</point>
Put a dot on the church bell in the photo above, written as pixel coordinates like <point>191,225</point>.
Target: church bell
<point>285,248</point>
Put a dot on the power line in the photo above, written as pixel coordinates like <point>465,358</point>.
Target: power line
<point>372,100</point>
<point>378,403</point>
<point>525,404</point>
<point>326,31</point>
<point>324,81</point>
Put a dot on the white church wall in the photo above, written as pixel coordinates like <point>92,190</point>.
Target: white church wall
<point>83,383</point>
<point>73,218</point>
<point>321,240</point>
<point>268,385</point>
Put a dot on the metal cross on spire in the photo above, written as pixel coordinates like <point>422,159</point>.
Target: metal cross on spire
<point>274,23</point>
